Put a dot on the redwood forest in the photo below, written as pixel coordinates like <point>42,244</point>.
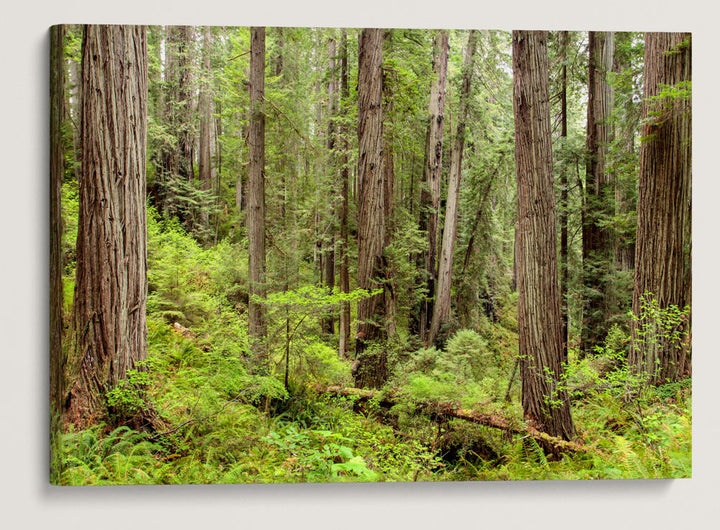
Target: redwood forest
<point>283,254</point>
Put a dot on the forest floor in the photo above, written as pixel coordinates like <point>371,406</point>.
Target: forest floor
<point>223,424</point>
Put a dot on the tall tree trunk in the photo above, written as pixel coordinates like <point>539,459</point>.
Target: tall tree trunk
<point>441,309</point>
<point>662,254</point>
<point>597,245</point>
<point>563,210</point>
<point>57,169</point>
<point>432,169</point>
<point>184,42</point>
<point>371,219</point>
<point>178,159</point>
<point>109,327</point>
<point>344,325</point>
<point>256,200</point>
<point>545,402</point>
<point>328,323</point>
<point>625,130</point>
<point>388,163</point>
<point>205,109</point>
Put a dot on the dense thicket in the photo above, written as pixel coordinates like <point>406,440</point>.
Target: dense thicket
<point>298,211</point>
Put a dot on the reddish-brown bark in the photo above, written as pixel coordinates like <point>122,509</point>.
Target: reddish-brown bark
<point>545,401</point>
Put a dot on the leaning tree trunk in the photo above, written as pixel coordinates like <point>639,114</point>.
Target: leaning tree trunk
<point>662,253</point>
<point>597,246</point>
<point>371,220</point>
<point>256,201</point>
<point>432,167</point>
<point>109,328</point>
<point>441,308</point>
<point>545,402</point>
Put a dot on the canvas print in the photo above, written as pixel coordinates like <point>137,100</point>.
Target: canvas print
<point>287,254</point>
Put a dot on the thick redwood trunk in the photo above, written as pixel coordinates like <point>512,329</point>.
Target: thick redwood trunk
<point>57,361</point>
<point>662,254</point>
<point>545,402</point>
<point>371,197</point>
<point>441,308</point>
<point>111,281</point>
<point>57,169</point>
<point>256,200</point>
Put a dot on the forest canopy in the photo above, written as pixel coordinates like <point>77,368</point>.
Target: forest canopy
<point>323,254</point>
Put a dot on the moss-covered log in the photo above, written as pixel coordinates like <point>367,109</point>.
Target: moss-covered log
<point>448,410</point>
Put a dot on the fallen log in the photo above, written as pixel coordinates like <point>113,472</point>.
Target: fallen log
<point>450,410</point>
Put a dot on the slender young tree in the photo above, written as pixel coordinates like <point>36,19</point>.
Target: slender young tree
<point>181,40</point>
<point>662,253</point>
<point>205,109</point>
<point>545,403</point>
<point>388,171</point>
<point>432,168</point>
<point>563,209</point>
<point>626,128</point>
<point>109,329</point>
<point>598,208</point>
<point>441,308</point>
<point>372,372</point>
<point>256,199</point>
<point>344,323</point>
<point>328,273</point>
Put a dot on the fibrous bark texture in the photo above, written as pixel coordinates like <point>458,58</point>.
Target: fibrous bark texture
<point>662,253</point>
<point>57,116</point>
<point>57,361</point>
<point>545,403</point>
<point>256,198</point>
<point>371,197</point>
<point>109,326</point>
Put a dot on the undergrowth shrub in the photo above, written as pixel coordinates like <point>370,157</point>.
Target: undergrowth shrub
<point>470,344</point>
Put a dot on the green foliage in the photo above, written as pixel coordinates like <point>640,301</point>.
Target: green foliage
<point>178,273</point>
<point>128,397</point>
<point>463,373</point>
<point>226,424</point>
<point>468,343</point>
<point>659,325</point>
<point>122,457</point>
